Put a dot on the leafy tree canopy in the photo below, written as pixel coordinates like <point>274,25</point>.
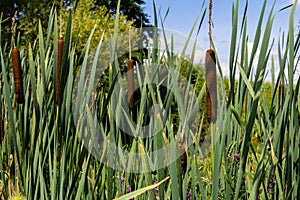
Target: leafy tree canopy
<point>131,8</point>
<point>84,21</point>
<point>29,13</point>
<point>100,12</point>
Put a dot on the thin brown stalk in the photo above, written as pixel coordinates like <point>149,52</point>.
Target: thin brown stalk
<point>129,43</point>
<point>210,22</point>
<point>60,19</point>
<point>280,94</point>
<point>13,28</point>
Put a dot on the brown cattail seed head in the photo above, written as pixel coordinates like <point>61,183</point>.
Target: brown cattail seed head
<point>17,71</point>
<point>130,74</point>
<point>59,64</point>
<point>211,86</point>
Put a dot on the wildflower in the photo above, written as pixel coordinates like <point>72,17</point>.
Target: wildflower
<point>236,157</point>
<point>155,189</point>
<point>189,193</point>
<point>17,196</point>
<point>271,184</point>
<point>128,189</point>
<point>122,182</point>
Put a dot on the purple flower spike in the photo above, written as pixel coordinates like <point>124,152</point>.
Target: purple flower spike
<point>270,180</point>
<point>271,184</point>
<point>122,182</point>
<point>128,189</point>
<point>189,193</point>
<point>236,156</point>
<point>155,189</point>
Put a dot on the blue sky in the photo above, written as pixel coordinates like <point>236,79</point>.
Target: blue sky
<point>183,13</point>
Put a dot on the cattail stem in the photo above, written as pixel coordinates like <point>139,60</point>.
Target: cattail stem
<point>183,159</point>
<point>59,64</point>
<point>280,94</point>
<point>130,75</point>
<point>2,124</point>
<point>210,23</point>
<point>129,43</point>
<point>60,19</point>
<point>17,71</point>
<point>13,28</point>
<point>211,86</point>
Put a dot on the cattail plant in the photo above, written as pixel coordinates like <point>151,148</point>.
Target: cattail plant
<point>211,102</point>
<point>211,86</point>
<point>183,155</point>
<point>130,75</point>
<point>2,124</point>
<point>280,94</point>
<point>59,64</point>
<point>17,71</point>
<point>59,57</point>
<point>211,77</point>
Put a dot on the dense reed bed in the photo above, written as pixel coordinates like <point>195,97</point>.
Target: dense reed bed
<point>49,149</point>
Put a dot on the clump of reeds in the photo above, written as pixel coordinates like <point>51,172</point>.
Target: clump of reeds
<point>211,86</point>
<point>17,71</point>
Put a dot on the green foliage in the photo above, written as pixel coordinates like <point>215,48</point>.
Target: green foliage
<point>33,13</point>
<point>132,9</point>
<point>88,16</point>
<point>8,9</point>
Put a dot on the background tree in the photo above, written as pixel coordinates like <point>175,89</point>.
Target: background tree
<point>87,16</point>
<point>7,11</point>
<point>29,13</point>
<point>100,12</point>
<point>134,10</point>
<point>131,8</point>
